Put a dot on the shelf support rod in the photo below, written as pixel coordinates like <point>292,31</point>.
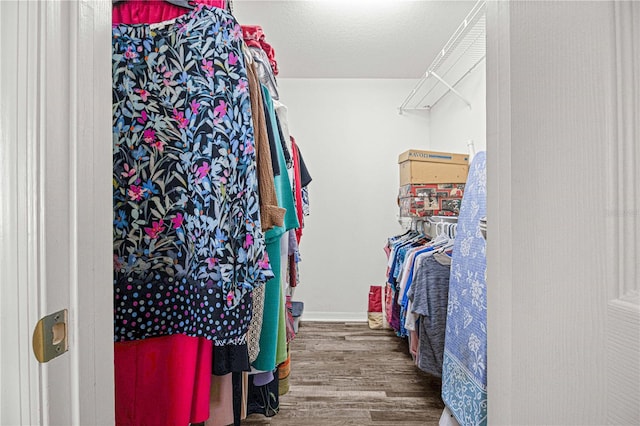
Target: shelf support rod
<point>450,87</point>
<point>412,94</point>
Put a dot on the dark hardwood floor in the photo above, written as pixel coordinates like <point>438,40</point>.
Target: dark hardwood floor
<point>347,374</point>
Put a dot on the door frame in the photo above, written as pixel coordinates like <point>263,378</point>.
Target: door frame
<point>55,223</point>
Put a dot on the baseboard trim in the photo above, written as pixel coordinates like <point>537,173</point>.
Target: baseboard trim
<point>334,316</point>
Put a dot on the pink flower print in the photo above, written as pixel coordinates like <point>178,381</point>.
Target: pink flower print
<point>229,298</point>
<point>236,33</point>
<point>211,262</point>
<point>149,136</point>
<point>203,171</point>
<point>225,174</point>
<point>130,53</point>
<point>136,192</point>
<point>144,95</point>
<point>143,117</point>
<point>167,78</point>
<point>182,27</point>
<point>156,228</point>
<point>117,263</point>
<point>248,148</point>
<point>243,85</point>
<point>207,66</point>
<point>221,109</point>
<point>128,172</point>
<point>180,118</point>
<point>233,59</point>
<point>159,145</point>
<point>248,241</point>
<point>194,107</point>
<point>177,221</point>
<point>264,262</point>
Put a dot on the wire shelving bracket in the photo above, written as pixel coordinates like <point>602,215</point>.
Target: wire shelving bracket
<point>464,51</point>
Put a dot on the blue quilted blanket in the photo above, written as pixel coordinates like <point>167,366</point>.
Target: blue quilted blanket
<point>464,375</point>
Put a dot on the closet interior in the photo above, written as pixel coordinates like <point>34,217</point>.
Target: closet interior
<point>150,193</point>
<point>212,195</point>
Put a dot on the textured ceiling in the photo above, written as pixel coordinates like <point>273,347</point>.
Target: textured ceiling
<point>354,38</point>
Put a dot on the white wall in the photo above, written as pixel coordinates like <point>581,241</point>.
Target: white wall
<point>350,134</point>
<point>453,123</point>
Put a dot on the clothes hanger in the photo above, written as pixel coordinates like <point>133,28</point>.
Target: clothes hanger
<point>440,234</point>
<point>180,3</point>
<point>448,234</point>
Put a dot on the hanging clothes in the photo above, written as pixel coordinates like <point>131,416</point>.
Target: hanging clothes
<point>173,372</point>
<point>297,187</point>
<point>188,245</point>
<point>270,213</point>
<point>464,376</point>
<point>265,73</point>
<point>254,37</point>
<point>266,360</point>
<point>283,117</point>
<point>429,293</point>
<point>149,11</point>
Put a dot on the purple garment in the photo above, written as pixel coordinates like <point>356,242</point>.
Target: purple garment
<point>394,321</point>
<point>262,379</point>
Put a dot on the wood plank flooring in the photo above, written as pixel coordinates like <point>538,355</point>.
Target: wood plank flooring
<point>347,374</point>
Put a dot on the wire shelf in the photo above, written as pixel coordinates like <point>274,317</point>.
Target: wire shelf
<point>464,51</point>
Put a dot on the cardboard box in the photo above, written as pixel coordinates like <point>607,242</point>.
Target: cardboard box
<point>432,167</point>
<point>443,190</point>
<point>433,157</point>
<point>430,200</point>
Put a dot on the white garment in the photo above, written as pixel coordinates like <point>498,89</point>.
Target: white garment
<point>283,118</point>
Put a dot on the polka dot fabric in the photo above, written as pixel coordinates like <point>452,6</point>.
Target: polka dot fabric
<point>188,245</point>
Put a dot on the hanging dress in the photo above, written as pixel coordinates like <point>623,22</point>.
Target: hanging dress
<point>188,244</point>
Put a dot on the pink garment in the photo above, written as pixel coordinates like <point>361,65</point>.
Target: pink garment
<point>162,380</point>
<point>254,37</point>
<point>297,187</point>
<point>389,302</point>
<point>152,11</point>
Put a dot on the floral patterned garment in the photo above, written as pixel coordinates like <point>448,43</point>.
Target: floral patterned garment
<point>188,246</point>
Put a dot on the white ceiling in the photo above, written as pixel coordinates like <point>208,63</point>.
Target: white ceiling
<point>354,38</point>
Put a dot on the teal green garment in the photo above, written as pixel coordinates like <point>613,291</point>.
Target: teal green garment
<point>281,343</point>
<point>266,360</point>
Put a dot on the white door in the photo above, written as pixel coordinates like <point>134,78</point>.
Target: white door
<point>55,219</point>
<point>563,122</point>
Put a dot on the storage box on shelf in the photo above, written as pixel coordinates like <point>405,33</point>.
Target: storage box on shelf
<point>438,199</point>
<point>431,183</point>
<point>420,167</point>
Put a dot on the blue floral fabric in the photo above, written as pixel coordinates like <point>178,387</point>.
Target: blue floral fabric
<point>188,246</point>
<point>464,372</point>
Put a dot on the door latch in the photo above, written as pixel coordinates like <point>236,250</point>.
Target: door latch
<point>50,336</point>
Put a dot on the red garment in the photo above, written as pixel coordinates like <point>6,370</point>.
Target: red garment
<point>293,271</point>
<point>254,37</point>
<point>152,11</point>
<point>297,187</point>
<point>163,380</point>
